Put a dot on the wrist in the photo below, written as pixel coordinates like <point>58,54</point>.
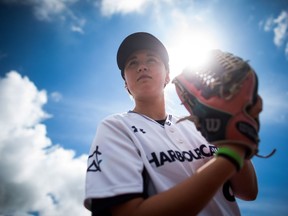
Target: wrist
<point>232,155</point>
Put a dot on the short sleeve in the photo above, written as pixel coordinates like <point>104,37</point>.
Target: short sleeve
<point>114,165</point>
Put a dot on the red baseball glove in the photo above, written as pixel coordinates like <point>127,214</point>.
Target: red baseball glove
<point>222,98</point>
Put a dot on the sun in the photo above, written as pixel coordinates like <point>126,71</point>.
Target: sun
<point>189,49</point>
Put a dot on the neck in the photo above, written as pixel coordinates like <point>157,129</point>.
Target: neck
<point>154,109</point>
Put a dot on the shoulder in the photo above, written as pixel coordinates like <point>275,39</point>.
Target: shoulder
<point>116,118</point>
<point>120,122</point>
<point>113,122</point>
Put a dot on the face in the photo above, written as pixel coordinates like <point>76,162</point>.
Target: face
<point>145,74</point>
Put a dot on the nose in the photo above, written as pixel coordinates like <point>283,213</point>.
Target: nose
<point>142,67</point>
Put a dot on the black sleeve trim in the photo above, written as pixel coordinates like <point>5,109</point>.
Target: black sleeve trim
<point>100,207</point>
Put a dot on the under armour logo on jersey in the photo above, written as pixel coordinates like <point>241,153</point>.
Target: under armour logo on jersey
<point>95,165</point>
<point>135,130</point>
<point>212,125</point>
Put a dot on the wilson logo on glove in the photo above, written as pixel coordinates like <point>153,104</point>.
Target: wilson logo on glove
<point>213,125</point>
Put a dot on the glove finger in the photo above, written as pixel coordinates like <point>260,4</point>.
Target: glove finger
<point>256,109</point>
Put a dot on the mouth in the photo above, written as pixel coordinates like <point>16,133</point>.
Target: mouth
<point>144,77</point>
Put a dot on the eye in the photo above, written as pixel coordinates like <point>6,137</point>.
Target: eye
<point>132,63</point>
<point>152,60</point>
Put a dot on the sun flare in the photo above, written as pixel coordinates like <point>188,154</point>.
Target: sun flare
<point>189,49</point>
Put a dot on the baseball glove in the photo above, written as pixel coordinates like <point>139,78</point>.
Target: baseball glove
<point>222,98</point>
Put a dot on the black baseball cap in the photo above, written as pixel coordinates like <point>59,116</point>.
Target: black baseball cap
<point>139,41</point>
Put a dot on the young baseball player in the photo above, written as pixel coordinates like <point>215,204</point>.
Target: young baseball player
<point>145,163</point>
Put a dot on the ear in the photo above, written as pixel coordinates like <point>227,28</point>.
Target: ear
<point>127,88</point>
<point>167,78</point>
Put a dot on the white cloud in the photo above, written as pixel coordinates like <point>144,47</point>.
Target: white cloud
<point>45,9</point>
<point>15,91</point>
<point>36,176</point>
<point>56,96</point>
<point>279,26</point>
<point>49,10</point>
<point>78,24</point>
<point>110,7</point>
<point>78,29</point>
<point>268,25</point>
<point>281,29</point>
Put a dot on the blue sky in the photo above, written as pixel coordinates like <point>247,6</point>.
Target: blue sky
<point>59,78</point>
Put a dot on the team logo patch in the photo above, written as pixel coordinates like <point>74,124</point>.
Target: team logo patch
<point>95,164</point>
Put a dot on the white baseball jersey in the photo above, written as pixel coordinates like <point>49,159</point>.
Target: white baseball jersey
<point>129,144</point>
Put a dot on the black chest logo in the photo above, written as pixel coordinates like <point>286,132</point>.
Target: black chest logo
<point>135,129</point>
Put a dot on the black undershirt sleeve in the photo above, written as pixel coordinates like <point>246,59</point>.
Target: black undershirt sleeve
<point>101,207</point>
